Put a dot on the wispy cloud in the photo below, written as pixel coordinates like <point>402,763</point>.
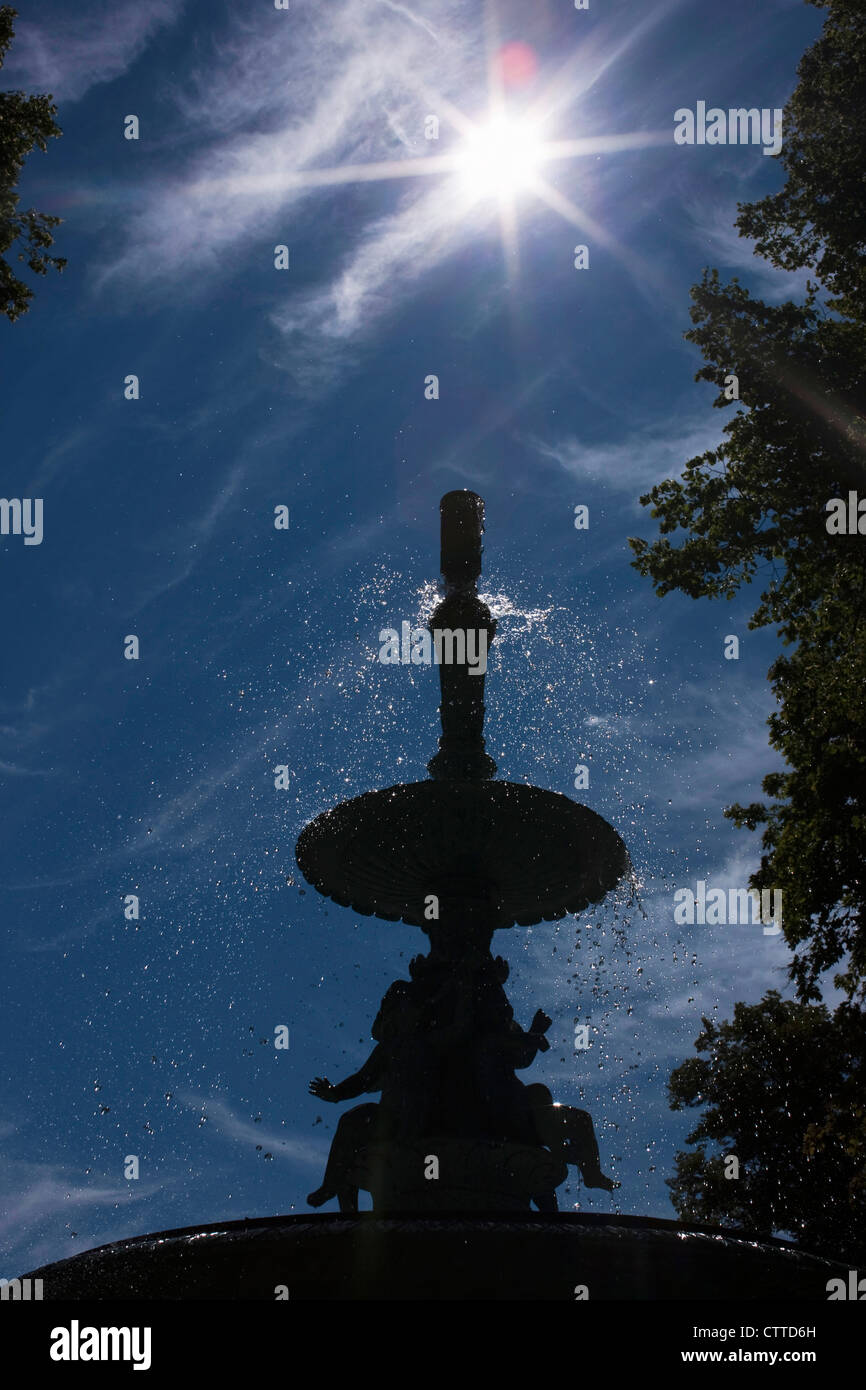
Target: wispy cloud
<point>225,1121</point>
<point>13,770</point>
<point>639,459</point>
<point>71,51</point>
<point>742,756</point>
<point>393,254</point>
<point>187,542</point>
<point>49,1194</point>
<point>38,1195</point>
<point>28,944</point>
<point>410,16</point>
<point>265,129</point>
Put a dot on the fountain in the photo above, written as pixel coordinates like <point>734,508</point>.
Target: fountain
<point>457,1150</point>
<point>459,856</point>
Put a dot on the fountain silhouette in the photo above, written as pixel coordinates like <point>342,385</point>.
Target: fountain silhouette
<point>460,856</point>
<point>457,1150</point>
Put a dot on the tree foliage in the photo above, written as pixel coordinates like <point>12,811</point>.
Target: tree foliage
<point>26,123</point>
<point>783,1085</point>
<point>755,508</point>
<point>782,1090</point>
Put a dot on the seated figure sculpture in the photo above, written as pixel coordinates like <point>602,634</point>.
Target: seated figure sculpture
<point>570,1131</point>
<point>400,1067</point>
<point>501,1047</point>
<point>447,1046</point>
<point>412,1033</point>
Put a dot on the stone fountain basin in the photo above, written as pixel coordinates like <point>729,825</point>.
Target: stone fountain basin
<point>531,855</point>
<point>442,1258</point>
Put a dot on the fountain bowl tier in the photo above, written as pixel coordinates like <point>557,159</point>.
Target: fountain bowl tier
<point>521,854</point>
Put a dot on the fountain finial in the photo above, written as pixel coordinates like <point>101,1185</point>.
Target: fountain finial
<point>463,628</point>
<point>461,515</point>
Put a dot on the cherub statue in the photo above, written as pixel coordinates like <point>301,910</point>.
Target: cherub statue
<point>412,1030</point>
<point>447,1046</point>
<point>570,1132</point>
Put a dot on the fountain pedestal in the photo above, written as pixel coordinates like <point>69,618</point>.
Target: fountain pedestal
<point>443,1174</point>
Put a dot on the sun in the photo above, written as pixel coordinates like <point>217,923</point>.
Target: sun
<point>500,158</point>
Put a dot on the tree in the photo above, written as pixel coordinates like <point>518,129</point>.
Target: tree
<point>757,505</point>
<point>782,1088</point>
<point>26,123</point>
<point>783,1084</point>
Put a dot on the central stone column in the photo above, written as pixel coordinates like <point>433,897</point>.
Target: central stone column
<point>461,755</point>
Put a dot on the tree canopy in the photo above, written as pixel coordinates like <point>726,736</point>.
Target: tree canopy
<point>781,1088</point>
<point>782,1084</point>
<point>26,123</point>
<point>756,507</point>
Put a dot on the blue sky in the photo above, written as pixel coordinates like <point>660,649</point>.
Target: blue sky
<point>305,387</point>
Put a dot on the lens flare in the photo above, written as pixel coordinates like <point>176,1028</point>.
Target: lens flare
<point>517,64</point>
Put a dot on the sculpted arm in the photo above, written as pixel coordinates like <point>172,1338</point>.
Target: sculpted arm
<point>367,1078</point>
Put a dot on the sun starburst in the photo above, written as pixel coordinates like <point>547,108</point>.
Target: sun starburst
<point>500,158</point>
